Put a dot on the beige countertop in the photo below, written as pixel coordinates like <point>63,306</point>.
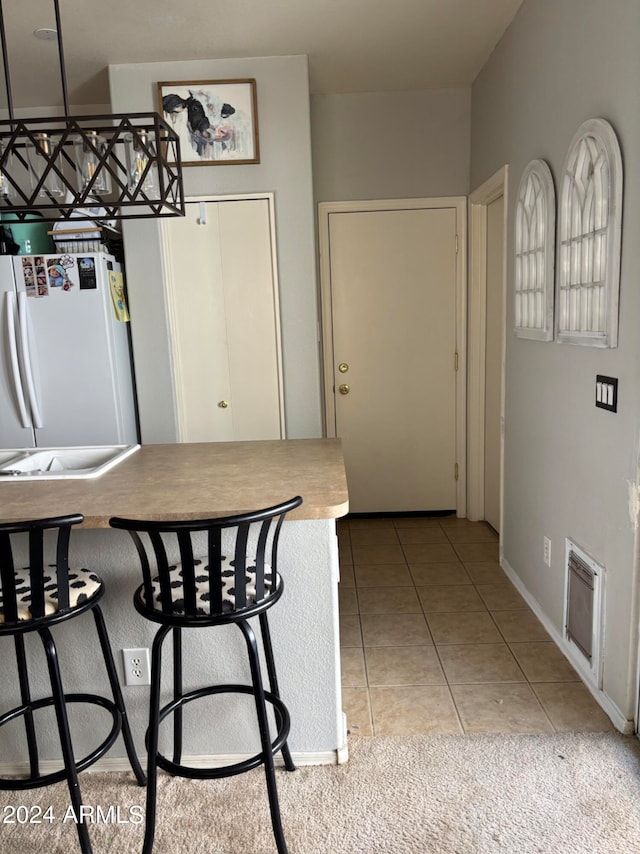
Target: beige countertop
<point>195,480</point>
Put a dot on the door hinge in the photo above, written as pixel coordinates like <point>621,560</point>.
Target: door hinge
<point>455,362</point>
<point>455,470</point>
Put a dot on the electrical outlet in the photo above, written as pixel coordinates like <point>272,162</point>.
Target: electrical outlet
<point>547,551</point>
<point>137,670</point>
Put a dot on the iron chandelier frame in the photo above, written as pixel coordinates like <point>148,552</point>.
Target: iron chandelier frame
<point>111,166</point>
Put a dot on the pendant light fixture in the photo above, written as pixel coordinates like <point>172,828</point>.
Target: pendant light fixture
<point>123,165</point>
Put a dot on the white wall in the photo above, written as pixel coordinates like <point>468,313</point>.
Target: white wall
<point>570,469</point>
<point>371,145</point>
<point>391,145</point>
<point>285,169</point>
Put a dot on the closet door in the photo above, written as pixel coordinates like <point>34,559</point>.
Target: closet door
<point>223,308</point>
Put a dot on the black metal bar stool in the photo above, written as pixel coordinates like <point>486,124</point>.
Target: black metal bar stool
<point>35,598</point>
<point>234,580</point>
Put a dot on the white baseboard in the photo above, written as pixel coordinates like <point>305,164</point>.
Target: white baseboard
<point>343,752</point>
<point>107,763</point>
<point>618,719</point>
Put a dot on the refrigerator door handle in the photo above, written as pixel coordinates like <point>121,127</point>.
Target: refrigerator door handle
<point>13,354</point>
<point>26,358</point>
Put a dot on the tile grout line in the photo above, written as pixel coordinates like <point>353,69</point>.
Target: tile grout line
<point>414,587</point>
<point>444,672</point>
<point>527,681</point>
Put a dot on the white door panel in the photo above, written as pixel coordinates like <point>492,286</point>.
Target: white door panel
<point>393,293</point>
<point>15,419</point>
<point>198,327</point>
<point>252,319</point>
<point>71,345</point>
<point>225,321</point>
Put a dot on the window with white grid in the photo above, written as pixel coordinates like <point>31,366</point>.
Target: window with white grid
<point>534,253</point>
<point>589,238</point>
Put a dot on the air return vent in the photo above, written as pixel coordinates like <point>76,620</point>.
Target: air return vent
<point>584,589</point>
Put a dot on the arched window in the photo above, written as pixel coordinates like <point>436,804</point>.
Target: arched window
<point>589,238</point>
<point>534,255</point>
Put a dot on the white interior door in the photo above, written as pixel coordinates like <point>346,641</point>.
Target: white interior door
<point>223,303</point>
<point>393,310</point>
<point>493,350</point>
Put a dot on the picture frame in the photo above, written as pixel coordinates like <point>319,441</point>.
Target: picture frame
<point>216,120</point>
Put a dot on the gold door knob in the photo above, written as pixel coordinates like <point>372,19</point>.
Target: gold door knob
<point>223,404</point>
<point>343,368</point>
<point>344,389</point>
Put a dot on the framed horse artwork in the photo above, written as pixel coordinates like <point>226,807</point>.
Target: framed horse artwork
<point>216,120</point>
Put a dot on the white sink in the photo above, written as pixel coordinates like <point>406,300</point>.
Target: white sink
<point>22,464</point>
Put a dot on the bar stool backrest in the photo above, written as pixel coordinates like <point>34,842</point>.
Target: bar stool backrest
<point>208,567</point>
<point>39,567</point>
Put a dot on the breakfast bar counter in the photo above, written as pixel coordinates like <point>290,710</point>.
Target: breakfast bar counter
<point>194,480</point>
<point>199,481</point>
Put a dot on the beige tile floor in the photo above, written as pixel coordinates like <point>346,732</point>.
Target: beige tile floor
<point>436,639</point>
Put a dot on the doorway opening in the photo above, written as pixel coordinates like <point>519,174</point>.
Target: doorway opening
<point>486,347</point>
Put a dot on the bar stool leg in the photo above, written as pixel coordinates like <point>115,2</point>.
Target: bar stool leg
<point>25,696</point>
<point>65,736</point>
<point>273,681</point>
<point>177,693</point>
<point>152,738</point>
<point>117,694</point>
<point>265,738</point>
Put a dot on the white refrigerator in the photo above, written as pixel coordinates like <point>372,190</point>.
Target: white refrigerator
<point>66,375</point>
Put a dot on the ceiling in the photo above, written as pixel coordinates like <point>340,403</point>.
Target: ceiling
<point>352,45</point>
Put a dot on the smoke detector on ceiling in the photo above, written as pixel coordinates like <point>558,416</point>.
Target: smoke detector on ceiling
<point>47,34</point>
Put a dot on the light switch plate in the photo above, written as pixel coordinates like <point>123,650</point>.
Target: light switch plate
<point>607,393</point>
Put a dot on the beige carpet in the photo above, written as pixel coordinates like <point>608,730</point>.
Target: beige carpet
<point>558,794</point>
